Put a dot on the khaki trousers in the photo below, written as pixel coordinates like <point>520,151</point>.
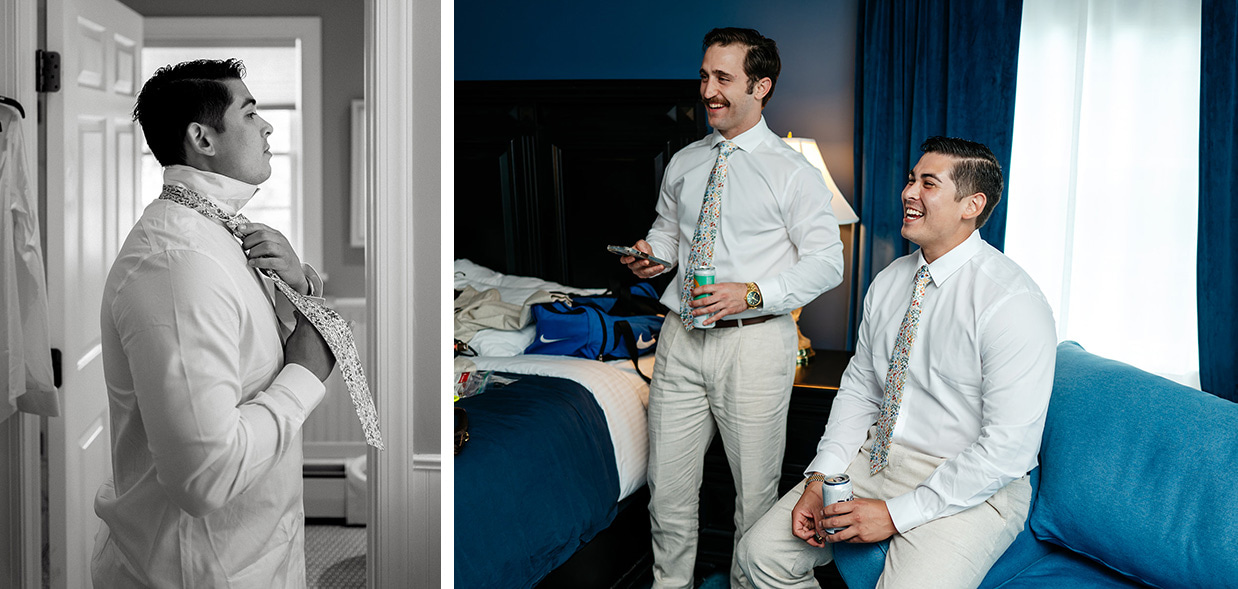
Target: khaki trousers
<point>735,380</point>
<point>952,552</point>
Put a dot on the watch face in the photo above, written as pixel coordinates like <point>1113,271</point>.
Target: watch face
<point>754,299</point>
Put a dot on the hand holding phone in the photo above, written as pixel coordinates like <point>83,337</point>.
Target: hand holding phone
<point>624,250</point>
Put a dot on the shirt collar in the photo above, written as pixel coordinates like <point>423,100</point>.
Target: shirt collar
<point>748,140</point>
<point>944,267</point>
<point>229,193</point>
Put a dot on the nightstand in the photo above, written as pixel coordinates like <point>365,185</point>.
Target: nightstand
<point>812,394</point>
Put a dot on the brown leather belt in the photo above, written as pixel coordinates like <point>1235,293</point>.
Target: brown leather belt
<point>743,322</point>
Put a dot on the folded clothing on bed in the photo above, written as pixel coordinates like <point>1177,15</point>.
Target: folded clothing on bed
<point>536,481</point>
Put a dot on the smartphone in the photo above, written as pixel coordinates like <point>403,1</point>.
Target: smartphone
<point>624,250</point>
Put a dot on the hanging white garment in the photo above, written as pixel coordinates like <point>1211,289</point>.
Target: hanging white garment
<point>25,349</point>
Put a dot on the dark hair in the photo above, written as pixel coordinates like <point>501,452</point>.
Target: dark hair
<point>761,60</point>
<point>177,95</point>
<point>975,170</point>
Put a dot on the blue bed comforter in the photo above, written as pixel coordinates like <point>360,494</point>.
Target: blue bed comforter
<point>536,480</point>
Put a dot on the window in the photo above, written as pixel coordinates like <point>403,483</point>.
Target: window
<point>1104,175</point>
<point>283,71</point>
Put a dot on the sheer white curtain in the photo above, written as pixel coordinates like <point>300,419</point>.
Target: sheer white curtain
<point>1104,175</point>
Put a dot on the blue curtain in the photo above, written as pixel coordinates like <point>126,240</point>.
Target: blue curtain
<point>1217,259</point>
<point>924,68</point>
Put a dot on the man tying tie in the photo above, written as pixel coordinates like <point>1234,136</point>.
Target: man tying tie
<point>744,203</point>
<point>939,415</point>
<point>209,372</point>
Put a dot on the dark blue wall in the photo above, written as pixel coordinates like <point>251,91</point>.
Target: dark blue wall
<point>561,39</point>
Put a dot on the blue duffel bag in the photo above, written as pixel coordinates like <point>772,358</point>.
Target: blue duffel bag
<point>600,327</point>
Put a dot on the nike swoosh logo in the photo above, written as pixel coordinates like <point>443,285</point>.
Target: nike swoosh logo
<point>641,344</point>
<point>550,341</point>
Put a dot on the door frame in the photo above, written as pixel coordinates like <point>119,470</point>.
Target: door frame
<point>404,273</point>
<point>19,27</point>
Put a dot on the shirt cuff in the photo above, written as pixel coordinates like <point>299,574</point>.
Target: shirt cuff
<point>825,464</point>
<point>302,383</point>
<point>654,252</point>
<point>904,513</point>
<point>772,297</point>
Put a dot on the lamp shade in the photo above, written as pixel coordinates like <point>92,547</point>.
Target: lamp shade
<point>808,147</point>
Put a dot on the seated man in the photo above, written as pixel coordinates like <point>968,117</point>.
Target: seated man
<point>940,413</point>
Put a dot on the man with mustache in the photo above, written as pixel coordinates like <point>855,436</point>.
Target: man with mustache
<point>940,413</point>
<point>742,201</point>
<point>209,374</point>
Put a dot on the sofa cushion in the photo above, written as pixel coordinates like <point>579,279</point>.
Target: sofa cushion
<point>1063,569</point>
<point>1138,472</point>
<point>860,565</point>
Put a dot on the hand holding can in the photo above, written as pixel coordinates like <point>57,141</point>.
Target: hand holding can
<point>835,489</point>
<point>702,276</point>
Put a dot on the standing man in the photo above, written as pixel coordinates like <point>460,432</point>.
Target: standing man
<point>209,375</point>
<point>940,413</point>
<point>745,203</point>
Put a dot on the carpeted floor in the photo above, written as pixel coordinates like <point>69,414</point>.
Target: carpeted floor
<point>334,556</point>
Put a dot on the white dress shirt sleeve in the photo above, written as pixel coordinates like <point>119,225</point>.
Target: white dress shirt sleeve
<point>663,237</point>
<point>813,228</point>
<point>186,363</point>
<point>25,348</point>
<point>1017,342</point>
<point>854,410</point>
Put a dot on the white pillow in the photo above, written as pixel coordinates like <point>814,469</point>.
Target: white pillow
<point>512,289</point>
<point>503,342</point>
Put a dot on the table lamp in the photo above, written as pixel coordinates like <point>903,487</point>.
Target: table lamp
<point>843,211</point>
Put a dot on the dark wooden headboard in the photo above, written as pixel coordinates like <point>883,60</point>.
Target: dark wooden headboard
<point>548,173</point>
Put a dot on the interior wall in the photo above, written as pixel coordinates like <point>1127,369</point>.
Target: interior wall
<point>814,97</point>
<point>343,75</point>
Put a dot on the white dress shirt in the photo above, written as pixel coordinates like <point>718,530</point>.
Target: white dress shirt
<point>775,228</point>
<point>977,385</point>
<point>206,417</point>
<point>25,348</point>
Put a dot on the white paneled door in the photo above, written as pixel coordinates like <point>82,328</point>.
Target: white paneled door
<point>92,169</point>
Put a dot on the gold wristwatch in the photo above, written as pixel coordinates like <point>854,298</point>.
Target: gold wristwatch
<point>814,477</point>
<point>753,297</point>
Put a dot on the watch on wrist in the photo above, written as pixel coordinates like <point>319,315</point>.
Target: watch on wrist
<point>753,297</point>
<point>814,477</point>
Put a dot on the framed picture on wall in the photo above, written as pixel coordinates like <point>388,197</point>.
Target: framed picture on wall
<point>357,209</point>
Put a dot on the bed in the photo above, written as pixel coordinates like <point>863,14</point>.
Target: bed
<point>551,455</point>
<point>548,173</point>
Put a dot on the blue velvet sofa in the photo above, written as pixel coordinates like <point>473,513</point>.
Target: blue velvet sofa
<point>1137,486</point>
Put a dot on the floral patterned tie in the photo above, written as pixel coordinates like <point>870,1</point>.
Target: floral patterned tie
<point>897,375</point>
<point>333,328</point>
<point>706,233</point>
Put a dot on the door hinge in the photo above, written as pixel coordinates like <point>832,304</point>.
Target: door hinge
<point>56,374</point>
<point>47,71</point>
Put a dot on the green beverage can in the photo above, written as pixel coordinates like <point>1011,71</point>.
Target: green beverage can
<point>702,276</point>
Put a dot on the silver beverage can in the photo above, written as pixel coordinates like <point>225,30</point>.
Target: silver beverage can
<point>702,276</point>
<point>835,489</point>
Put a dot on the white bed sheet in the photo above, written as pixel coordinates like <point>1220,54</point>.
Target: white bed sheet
<point>622,394</point>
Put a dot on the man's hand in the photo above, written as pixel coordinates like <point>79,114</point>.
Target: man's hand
<point>306,347</point>
<point>642,268</point>
<point>267,248</point>
<point>725,298</point>
<point>806,514</point>
<point>867,520</point>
